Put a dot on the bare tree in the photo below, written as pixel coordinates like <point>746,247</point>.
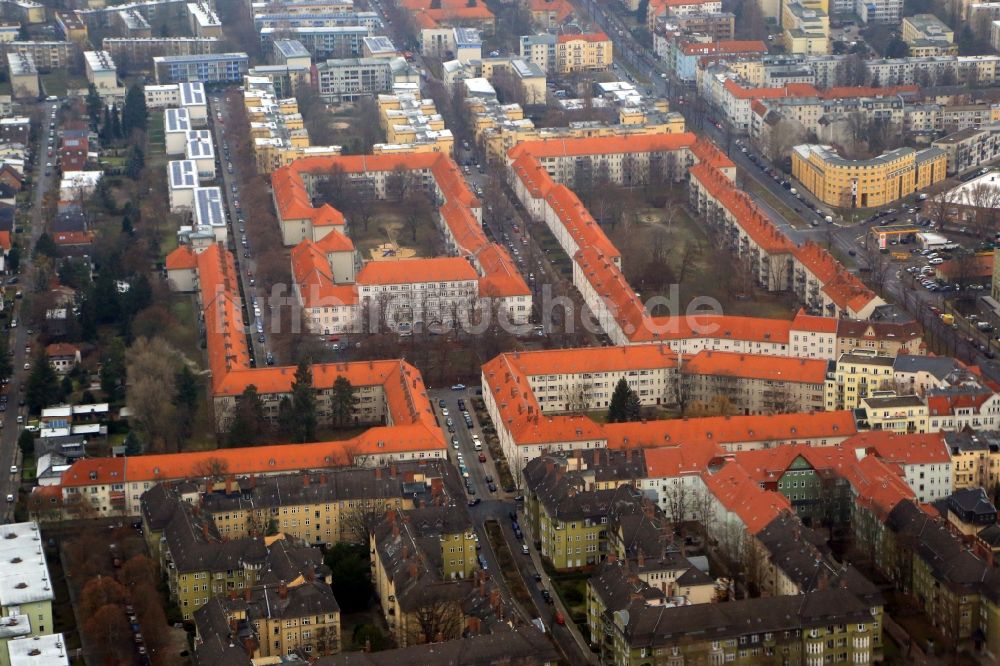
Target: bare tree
<point>361,521</point>
<point>151,368</point>
<point>437,618</point>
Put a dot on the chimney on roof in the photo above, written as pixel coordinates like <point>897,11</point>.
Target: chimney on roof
<point>204,530</point>
<point>282,590</point>
<point>253,481</point>
<point>473,625</point>
<point>413,569</point>
<point>247,593</point>
<point>378,473</point>
<point>406,551</point>
<point>824,581</point>
<point>305,480</point>
<point>482,587</point>
<point>495,597</point>
<point>229,484</point>
<point>642,558</point>
<point>612,558</point>
<point>248,645</point>
<point>392,471</point>
<point>232,626</point>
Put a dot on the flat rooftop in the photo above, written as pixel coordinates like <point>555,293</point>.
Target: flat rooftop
<point>176,120</point>
<point>24,575</point>
<point>183,173</point>
<point>100,61</point>
<point>201,57</point>
<point>192,93</point>
<point>38,651</point>
<point>291,48</point>
<point>379,44</point>
<point>199,145</point>
<point>20,64</point>
<point>209,209</point>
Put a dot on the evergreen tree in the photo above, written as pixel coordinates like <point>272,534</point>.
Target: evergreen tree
<point>22,34</point>
<point>633,407</point>
<point>127,226</point>
<point>135,162</point>
<point>26,442</point>
<point>133,447</point>
<point>248,419</point>
<point>343,400</point>
<point>186,398</point>
<point>116,123</point>
<point>286,417</point>
<point>134,112</point>
<point>303,404</point>
<point>113,368</point>
<point>42,387</point>
<point>14,257</point>
<point>46,247</point>
<point>94,106</point>
<point>625,404</point>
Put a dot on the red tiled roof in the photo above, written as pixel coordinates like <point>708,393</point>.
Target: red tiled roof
<point>183,257</point>
<point>779,428</point>
<point>753,366</point>
<point>737,492</point>
<point>902,448</point>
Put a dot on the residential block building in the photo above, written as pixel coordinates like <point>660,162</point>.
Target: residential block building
<point>879,181</point>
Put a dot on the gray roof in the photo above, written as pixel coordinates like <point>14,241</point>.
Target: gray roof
<point>654,626</point>
<point>522,645</point>
<point>938,366</point>
<point>885,361</point>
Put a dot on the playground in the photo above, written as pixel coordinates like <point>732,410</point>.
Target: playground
<point>388,237</point>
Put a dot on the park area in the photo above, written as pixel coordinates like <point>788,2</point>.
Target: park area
<point>667,253</point>
<point>392,233</point>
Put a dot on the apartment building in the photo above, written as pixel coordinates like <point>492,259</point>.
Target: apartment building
<point>750,384</point>
<point>540,167</point>
<point>540,50</point>
<point>24,81</point>
<point>279,18</point>
<point>860,375</point>
<point>46,55</point>
<point>476,272</point>
<point>133,24</point>
<point>26,590</point>
<point>207,68</point>
<point>340,41</point>
<point>428,555</point>
<point>349,79</point>
<point>203,20</point>
<point>138,52</point>
<point>24,10</point>
<point>568,519</point>
<point>683,55</point>
<point>199,563</point>
<point>878,181</point>
<point>970,148</point>
<point>819,281</point>
<point>805,29</point>
<point>927,35</point>
<point>101,70</point>
<point>885,12</point>
<point>583,53</point>
<point>70,26</point>
<point>274,620</point>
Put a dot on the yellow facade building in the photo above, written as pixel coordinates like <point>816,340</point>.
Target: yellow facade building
<point>583,53</point>
<point>927,35</point>
<point>878,181</point>
<point>806,29</point>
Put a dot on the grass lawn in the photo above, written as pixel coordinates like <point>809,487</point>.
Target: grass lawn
<point>154,133</point>
<point>793,218</point>
<point>572,589</point>
<point>515,583</point>
<point>58,82</point>
<point>184,335</point>
<point>702,279</point>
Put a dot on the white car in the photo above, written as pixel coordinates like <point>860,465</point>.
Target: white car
<point>937,261</point>
<point>13,469</point>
